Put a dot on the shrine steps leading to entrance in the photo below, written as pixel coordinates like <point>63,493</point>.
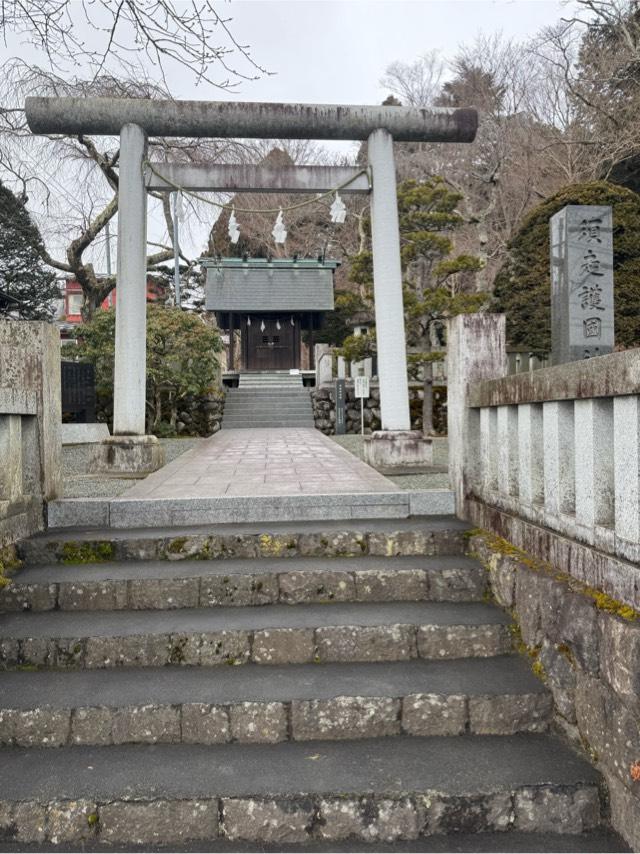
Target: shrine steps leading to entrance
<point>268,400</point>
<point>291,684</point>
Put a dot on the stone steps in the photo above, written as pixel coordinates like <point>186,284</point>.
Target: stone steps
<point>497,696</point>
<point>247,396</point>
<point>424,536</point>
<point>164,585</point>
<point>379,697</point>
<point>273,634</point>
<point>268,400</point>
<point>371,789</point>
<point>260,423</point>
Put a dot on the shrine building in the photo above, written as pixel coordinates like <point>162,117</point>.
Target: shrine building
<point>270,309</point>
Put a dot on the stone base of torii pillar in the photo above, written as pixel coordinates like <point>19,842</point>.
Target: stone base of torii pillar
<point>127,456</point>
<point>397,449</point>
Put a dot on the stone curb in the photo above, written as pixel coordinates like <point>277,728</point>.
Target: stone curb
<point>63,549</point>
<point>338,718</point>
<point>256,588</point>
<point>395,642</point>
<point>122,512</point>
<point>334,816</point>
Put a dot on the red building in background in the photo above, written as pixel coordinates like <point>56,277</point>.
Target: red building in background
<point>69,314</point>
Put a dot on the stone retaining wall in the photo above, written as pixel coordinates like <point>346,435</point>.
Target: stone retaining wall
<point>586,647</point>
<point>197,416</point>
<point>324,409</point>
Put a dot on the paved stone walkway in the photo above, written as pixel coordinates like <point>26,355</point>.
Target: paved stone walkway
<point>275,461</point>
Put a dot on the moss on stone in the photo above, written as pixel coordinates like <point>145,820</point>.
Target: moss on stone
<point>565,649</point>
<point>601,600</point>
<point>176,651</point>
<point>531,652</point>
<point>9,563</point>
<point>273,546</point>
<point>87,552</point>
<point>604,602</point>
<point>538,669</point>
<point>176,545</point>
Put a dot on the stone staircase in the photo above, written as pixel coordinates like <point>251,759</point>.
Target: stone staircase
<point>289,683</point>
<point>268,400</point>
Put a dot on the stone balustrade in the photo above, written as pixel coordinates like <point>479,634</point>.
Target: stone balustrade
<point>30,425</point>
<point>560,447</point>
<point>549,459</point>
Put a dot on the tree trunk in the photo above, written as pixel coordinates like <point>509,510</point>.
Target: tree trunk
<point>174,412</point>
<point>427,401</point>
<point>157,415</point>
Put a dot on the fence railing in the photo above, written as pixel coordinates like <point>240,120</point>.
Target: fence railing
<point>559,447</point>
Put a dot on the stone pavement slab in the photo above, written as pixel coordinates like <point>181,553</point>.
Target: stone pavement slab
<point>263,462</point>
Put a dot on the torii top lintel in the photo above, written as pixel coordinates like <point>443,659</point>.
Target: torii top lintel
<point>106,116</point>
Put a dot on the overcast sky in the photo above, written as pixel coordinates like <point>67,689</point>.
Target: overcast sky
<point>334,51</point>
<point>327,51</point>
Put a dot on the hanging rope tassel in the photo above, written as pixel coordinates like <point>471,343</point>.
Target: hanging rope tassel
<point>233,229</point>
<point>279,231</point>
<point>338,210</point>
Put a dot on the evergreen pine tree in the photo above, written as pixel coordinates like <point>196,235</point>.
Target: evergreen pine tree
<point>522,288</point>
<point>27,289</point>
<point>436,283</point>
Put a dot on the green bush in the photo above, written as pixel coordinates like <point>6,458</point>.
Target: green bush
<point>522,287</point>
<point>181,360</point>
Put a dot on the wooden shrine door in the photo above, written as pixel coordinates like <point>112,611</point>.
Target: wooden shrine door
<point>272,349</point>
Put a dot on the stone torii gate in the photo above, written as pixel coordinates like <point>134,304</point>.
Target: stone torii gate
<point>129,449</point>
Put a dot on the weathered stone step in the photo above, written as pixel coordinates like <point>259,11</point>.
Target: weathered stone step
<point>273,634</point>
<point>248,423</point>
<point>267,581</point>
<point>372,789</point>
<point>272,397</point>
<point>496,696</point>
<point>419,535</point>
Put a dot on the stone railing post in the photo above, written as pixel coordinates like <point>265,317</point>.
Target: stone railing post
<point>323,360</point>
<point>476,350</point>
<point>30,426</point>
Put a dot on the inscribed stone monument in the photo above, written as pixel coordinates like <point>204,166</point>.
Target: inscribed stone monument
<point>581,283</point>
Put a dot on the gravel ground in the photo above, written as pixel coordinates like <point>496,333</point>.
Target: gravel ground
<point>437,480</point>
<point>79,484</point>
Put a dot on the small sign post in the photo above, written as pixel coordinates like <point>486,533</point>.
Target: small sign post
<point>362,391</point>
<point>341,421</point>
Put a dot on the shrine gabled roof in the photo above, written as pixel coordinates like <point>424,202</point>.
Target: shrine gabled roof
<point>261,285</point>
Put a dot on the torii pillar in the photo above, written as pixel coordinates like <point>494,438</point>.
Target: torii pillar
<point>135,119</point>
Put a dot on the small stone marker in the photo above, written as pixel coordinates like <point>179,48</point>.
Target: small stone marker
<point>581,283</point>
<point>341,421</point>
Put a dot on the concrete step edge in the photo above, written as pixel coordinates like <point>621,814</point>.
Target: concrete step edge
<point>350,523</point>
<point>298,792</point>
<point>274,634</point>
<point>282,527</point>
<point>205,584</point>
<point>197,718</point>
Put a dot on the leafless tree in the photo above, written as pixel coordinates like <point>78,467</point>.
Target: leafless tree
<point>103,36</point>
<point>418,83</point>
<point>593,59</point>
<point>515,161</point>
<point>70,184</point>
